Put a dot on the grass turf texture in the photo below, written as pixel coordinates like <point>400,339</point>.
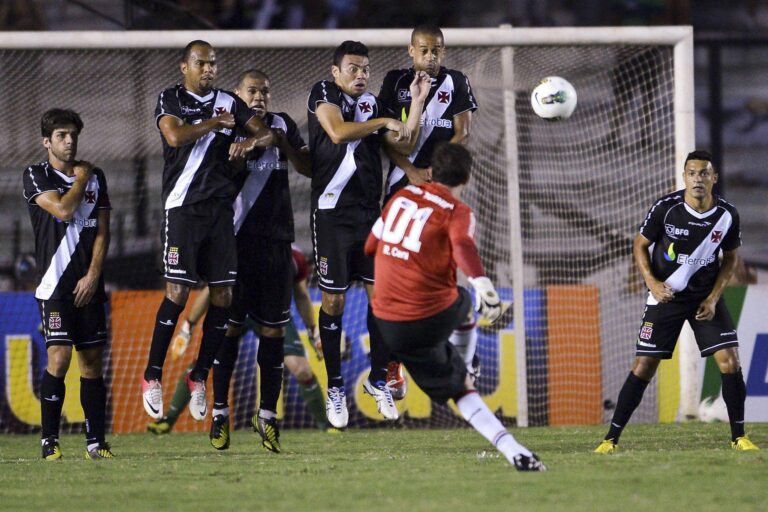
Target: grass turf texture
<point>659,467</point>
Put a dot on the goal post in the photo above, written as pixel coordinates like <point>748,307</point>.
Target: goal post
<point>557,203</point>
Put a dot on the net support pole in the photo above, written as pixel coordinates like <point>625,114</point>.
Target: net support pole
<point>685,141</point>
<point>515,233</point>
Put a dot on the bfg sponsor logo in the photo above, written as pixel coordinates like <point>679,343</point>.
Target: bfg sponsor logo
<point>674,231</point>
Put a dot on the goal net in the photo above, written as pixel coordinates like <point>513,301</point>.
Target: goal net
<point>557,206</point>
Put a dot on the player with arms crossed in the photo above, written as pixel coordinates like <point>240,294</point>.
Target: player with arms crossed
<point>447,117</point>
<point>423,234</point>
<point>677,252</point>
<point>197,123</point>
<point>69,208</point>
<point>344,142</point>
<point>264,231</point>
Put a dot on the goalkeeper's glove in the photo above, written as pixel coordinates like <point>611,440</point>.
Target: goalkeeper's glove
<point>487,301</point>
<point>181,341</point>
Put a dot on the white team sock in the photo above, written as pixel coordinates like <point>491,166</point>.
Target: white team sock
<point>464,338</point>
<point>267,414</point>
<point>477,414</point>
<point>222,412</point>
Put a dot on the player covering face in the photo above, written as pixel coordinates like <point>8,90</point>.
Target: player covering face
<point>427,51</point>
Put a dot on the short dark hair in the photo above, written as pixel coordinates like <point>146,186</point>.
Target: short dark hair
<point>427,29</point>
<point>451,164</point>
<point>699,154</point>
<point>252,72</point>
<point>349,48</point>
<point>188,49</point>
<point>58,118</point>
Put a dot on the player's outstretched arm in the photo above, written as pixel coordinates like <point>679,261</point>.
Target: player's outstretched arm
<point>706,310</point>
<point>461,235</point>
<point>487,301</point>
<point>177,133</point>
<point>340,131</point>
<point>660,290</point>
<point>86,286</point>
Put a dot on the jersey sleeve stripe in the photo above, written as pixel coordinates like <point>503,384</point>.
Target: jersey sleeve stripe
<point>163,111</point>
<point>38,190</point>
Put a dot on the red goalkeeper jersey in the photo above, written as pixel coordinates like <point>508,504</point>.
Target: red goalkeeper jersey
<point>422,235</point>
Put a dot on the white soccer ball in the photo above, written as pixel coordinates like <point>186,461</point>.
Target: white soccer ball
<point>554,99</point>
<point>713,409</point>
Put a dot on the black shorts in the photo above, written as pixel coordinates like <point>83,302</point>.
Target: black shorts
<point>199,243</point>
<point>662,324</point>
<point>338,240</point>
<point>65,324</point>
<point>423,347</point>
<point>264,282</point>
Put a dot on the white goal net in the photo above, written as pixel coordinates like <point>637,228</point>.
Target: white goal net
<point>557,205</point>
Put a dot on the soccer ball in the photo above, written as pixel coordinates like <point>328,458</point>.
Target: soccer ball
<point>713,409</point>
<point>553,99</point>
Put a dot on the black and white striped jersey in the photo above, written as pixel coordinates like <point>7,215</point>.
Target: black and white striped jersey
<point>450,95</point>
<point>63,250</point>
<point>200,169</point>
<point>350,173</point>
<point>687,244</point>
<point>263,203</point>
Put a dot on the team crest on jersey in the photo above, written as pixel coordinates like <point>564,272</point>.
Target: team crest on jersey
<point>54,320</point>
<point>716,236</point>
<point>443,96</point>
<point>220,110</point>
<point>322,266</point>
<point>364,106</point>
<point>90,196</point>
<point>646,331</point>
<point>173,256</point>
<point>403,94</point>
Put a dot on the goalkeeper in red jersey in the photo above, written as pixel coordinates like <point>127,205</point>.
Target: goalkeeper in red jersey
<point>423,234</point>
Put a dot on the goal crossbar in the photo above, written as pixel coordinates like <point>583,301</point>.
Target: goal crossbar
<point>496,37</point>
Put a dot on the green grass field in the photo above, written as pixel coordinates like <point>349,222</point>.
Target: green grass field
<point>670,467</point>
